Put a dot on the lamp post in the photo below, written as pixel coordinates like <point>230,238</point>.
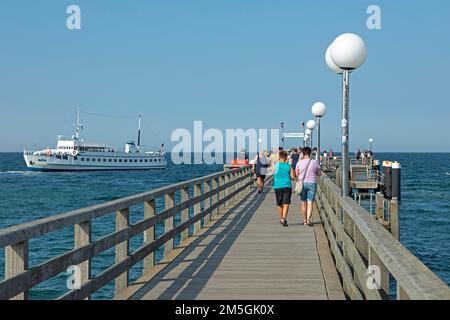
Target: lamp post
<point>370,144</point>
<point>319,109</point>
<point>347,52</point>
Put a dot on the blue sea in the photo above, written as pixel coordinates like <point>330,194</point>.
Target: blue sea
<point>27,195</point>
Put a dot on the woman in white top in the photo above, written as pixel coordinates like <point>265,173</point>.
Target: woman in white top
<point>261,166</point>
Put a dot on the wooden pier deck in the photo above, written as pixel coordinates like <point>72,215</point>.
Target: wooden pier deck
<point>247,254</point>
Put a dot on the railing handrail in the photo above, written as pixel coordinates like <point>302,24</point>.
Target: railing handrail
<point>24,231</point>
<point>412,275</point>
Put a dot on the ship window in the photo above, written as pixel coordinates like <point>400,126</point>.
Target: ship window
<point>104,160</point>
<point>125,160</point>
<point>65,157</point>
<point>115,160</point>
<point>99,159</point>
<point>140,160</point>
<point>135,160</point>
<point>82,159</point>
<point>120,160</point>
<point>110,160</point>
<point>93,159</point>
<point>146,160</point>
<point>88,159</point>
<point>75,158</point>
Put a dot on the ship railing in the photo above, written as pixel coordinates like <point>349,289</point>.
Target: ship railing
<point>199,201</point>
<point>361,246</point>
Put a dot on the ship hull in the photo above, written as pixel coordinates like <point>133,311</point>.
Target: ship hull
<point>51,163</point>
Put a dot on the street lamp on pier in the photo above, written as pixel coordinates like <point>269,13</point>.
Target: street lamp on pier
<point>319,109</point>
<point>347,52</point>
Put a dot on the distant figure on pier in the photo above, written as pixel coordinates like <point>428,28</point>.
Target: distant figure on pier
<point>330,153</point>
<point>307,172</point>
<point>325,154</point>
<point>261,166</point>
<point>358,155</point>
<point>282,184</point>
<point>293,158</point>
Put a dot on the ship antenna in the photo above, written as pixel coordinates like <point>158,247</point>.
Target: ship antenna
<point>139,134</point>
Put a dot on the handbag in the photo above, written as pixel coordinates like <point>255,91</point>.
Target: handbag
<point>299,185</point>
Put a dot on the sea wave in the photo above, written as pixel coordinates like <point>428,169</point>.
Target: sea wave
<point>19,172</point>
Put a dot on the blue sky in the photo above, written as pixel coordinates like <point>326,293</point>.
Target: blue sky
<point>232,64</point>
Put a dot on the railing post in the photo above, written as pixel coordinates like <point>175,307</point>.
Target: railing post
<point>16,262</point>
<point>197,207</point>
<point>395,227</point>
<point>82,234</point>
<point>122,222</point>
<point>168,223</point>
<point>222,193</point>
<point>227,190</point>
<point>374,260</point>
<point>184,213</point>
<point>207,188</point>
<point>149,234</point>
<point>379,212</point>
<point>216,196</point>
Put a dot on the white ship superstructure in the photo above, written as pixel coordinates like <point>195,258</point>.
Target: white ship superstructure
<point>74,154</point>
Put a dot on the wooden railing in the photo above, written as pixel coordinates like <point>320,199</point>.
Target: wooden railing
<point>366,254</point>
<point>211,195</point>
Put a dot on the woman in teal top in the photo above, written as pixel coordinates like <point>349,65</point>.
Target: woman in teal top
<point>284,174</point>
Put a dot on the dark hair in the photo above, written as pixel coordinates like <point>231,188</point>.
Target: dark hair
<point>306,151</point>
<point>283,155</point>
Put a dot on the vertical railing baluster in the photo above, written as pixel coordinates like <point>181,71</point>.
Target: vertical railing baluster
<point>227,190</point>
<point>197,207</point>
<point>168,223</point>
<point>16,262</point>
<point>122,222</point>
<point>207,205</point>
<point>82,234</point>
<point>222,193</point>
<point>149,234</point>
<point>184,213</point>
<point>216,196</point>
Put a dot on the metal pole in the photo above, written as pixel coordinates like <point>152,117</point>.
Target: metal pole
<point>345,134</point>
<point>318,140</point>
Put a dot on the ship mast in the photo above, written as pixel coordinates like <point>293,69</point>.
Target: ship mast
<point>78,125</point>
<point>139,135</point>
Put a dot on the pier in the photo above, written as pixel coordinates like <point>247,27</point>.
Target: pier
<point>231,246</point>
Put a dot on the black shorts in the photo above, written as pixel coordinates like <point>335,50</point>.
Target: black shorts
<point>262,176</point>
<point>283,196</point>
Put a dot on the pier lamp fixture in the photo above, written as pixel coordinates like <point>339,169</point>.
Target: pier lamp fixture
<point>311,125</point>
<point>347,52</point>
<point>370,144</point>
<point>308,135</point>
<point>318,109</point>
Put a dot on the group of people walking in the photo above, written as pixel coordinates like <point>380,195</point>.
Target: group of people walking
<point>294,172</point>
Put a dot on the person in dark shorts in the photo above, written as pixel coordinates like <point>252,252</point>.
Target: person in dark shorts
<point>282,183</point>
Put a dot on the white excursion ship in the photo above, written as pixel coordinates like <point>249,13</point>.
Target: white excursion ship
<point>77,155</point>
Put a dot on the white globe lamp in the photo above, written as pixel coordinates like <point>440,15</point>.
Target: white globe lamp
<point>348,51</point>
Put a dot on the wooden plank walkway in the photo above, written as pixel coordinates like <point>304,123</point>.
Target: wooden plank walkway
<point>247,254</point>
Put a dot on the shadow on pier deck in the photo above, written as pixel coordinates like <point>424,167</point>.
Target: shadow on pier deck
<point>246,254</point>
